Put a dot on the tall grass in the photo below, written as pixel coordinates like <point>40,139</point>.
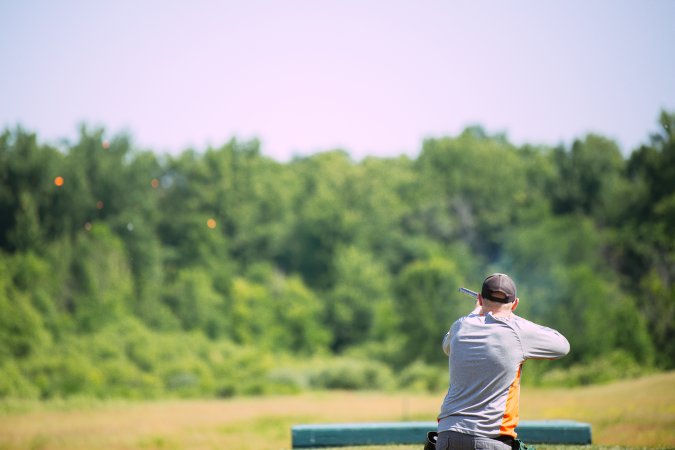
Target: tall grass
<point>638,413</point>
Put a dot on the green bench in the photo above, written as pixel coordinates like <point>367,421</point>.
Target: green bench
<point>351,434</point>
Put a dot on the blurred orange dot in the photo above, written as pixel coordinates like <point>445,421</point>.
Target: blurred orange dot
<point>105,144</point>
<point>99,204</point>
<point>154,183</point>
<point>211,223</point>
<point>58,181</point>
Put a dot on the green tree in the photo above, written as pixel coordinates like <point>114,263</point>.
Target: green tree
<point>277,313</point>
<point>591,180</point>
<point>27,191</point>
<point>427,306</point>
<point>359,300</point>
<point>598,319</point>
<point>100,285</point>
<point>646,251</point>
<point>21,326</point>
<point>321,220</point>
<point>297,324</point>
<point>472,189</point>
<point>195,302</point>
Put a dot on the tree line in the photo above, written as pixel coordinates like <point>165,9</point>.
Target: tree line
<point>220,272</point>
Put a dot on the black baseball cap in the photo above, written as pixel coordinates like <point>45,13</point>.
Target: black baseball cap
<point>499,282</point>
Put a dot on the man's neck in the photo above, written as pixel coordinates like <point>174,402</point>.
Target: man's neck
<point>497,312</point>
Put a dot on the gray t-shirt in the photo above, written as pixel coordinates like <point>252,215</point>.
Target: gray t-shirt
<point>486,354</point>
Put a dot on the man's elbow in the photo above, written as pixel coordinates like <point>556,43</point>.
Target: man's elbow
<point>446,348</point>
<point>446,344</point>
<point>564,348</point>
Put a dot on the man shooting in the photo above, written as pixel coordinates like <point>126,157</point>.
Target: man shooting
<point>486,351</point>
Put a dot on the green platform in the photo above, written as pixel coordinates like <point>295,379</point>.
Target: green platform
<point>349,434</point>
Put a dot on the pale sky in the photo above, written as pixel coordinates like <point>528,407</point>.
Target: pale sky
<point>370,77</point>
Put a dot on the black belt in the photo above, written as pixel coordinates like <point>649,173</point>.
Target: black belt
<point>508,440</point>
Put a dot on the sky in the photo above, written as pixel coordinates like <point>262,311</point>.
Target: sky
<point>374,78</point>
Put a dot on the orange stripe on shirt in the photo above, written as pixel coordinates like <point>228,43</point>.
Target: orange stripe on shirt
<point>511,414</point>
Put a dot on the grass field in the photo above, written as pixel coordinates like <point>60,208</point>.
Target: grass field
<point>635,414</point>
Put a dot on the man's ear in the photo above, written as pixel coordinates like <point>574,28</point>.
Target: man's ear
<point>514,305</point>
<point>480,299</point>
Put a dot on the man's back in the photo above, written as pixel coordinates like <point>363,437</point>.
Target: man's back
<point>486,356</point>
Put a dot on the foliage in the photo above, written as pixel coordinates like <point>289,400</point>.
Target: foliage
<point>423,300</point>
<point>613,365</point>
<point>128,274</point>
<point>351,374</point>
<point>421,377</point>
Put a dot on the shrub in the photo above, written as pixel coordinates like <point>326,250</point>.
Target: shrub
<point>60,374</point>
<point>423,377</point>
<point>122,379</point>
<point>239,370</point>
<point>351,374</point>
<point>286,381</point>
<point>614,366</point>
<point>13,384</point>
